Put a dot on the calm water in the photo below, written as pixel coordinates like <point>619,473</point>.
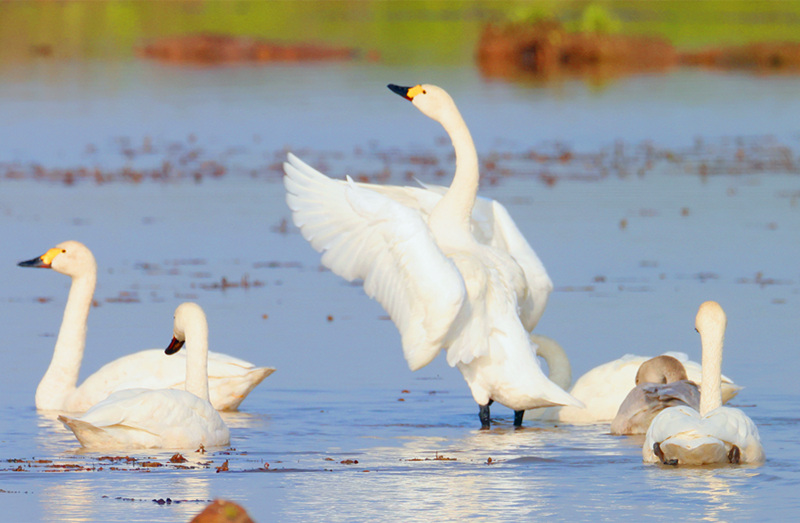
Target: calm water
<point>336,394</point>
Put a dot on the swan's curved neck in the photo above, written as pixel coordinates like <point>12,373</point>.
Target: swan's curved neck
<point>560,370</point>
<point>711,385</point>
<point>451,216</point>
<point>61,378</point>
<point>197,359</point>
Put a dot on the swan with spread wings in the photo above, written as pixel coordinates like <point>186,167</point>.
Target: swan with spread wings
<point>453,273</point>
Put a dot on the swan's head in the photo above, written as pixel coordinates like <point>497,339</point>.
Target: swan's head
<point>71,258</point>
<point>188,315</point>
<point>711,319</point>
<point>433,101</point>
<point>661,369</point>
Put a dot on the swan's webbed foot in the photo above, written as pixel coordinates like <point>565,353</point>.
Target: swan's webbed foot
<point>660,455</point>
<point>734,455</point>
<point>518,415</point>
<point>486,422</point>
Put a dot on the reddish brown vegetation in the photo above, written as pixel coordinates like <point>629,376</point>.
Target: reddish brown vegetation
<point>546,49</point>
<point>761,57</point>
<point>213,49</point>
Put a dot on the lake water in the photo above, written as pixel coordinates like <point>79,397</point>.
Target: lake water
<point>632,236</point>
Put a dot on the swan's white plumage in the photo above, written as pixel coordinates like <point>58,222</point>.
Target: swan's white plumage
<point>604,388</point>
<point>163,418</point>
<point>686,436</point>
<point>692,439</point>
<point>492,226</point>
<point>231,379</point>
<point>420,256</point>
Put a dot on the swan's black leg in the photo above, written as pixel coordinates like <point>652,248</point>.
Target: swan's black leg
<point>518,415</point>
<point>660,455</point>
<point>484,415</point>
<point>735,455</point>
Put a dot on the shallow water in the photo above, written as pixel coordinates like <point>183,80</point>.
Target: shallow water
<point>631,255</point>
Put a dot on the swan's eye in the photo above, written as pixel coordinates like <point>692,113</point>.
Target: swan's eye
<point>63,250</point>
<point>424,91</point>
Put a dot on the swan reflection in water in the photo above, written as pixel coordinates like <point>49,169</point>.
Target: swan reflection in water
<point>715,492</point>
<point>444,478</point>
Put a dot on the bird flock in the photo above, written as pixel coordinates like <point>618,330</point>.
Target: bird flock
<point>455,275</point>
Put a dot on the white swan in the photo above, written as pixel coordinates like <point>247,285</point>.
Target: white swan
<point>161,418</point>
<point>442,287</point>
<point>661,382</point>
<point>231,379</point>
<point>604,388</point>
<point>715,434</point>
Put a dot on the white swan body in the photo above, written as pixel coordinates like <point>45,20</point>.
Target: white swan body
<point>604,388</point>
<point>163,418</point>
<point>714,434</point>
<point>442,287</point>
<point>231,379</point>
<point>661,382</point>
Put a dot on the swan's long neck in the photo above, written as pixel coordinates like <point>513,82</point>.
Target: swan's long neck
<point>711,385</point>
<point>197,359</point>
<point>560,370</point>
<point>451,216</point>
<point>61,378</point>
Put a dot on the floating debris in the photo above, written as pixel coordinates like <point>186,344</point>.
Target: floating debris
<point>548,163</point>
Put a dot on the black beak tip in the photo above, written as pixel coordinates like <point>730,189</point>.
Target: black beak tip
<point>36,262</point>
<point>397,89</point>
<point>174,346</point>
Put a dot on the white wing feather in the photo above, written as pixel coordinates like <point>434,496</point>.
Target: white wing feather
<point>366,235</point>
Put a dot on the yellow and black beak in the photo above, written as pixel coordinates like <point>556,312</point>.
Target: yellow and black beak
<point>406,92</point>
<point>44,261</point>
<point>174,346</point>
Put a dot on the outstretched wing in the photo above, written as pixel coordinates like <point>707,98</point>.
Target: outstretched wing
<point>365,235</point>
<point>506,236</point>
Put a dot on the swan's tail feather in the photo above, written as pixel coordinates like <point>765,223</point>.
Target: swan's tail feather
<point>88,435</point>
<point>554,395</point>
<point>729,391</point>
<point>241,387</point>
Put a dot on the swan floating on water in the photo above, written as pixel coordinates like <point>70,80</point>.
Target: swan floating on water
<point>474,290</point>
<point>714,434</point>
<point>161,418</point>
<point>231,379</point>
<point>661,382</point>
<point>605,387</point>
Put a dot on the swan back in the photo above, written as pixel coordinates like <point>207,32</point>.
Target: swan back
<point>661,369</point>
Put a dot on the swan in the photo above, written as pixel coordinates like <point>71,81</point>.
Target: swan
<point>714,434</point>
<point>661,382</point>
<point>604,388</point>
<point>231,379</point>
<point>160,418</point>
<point>443,287</point>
